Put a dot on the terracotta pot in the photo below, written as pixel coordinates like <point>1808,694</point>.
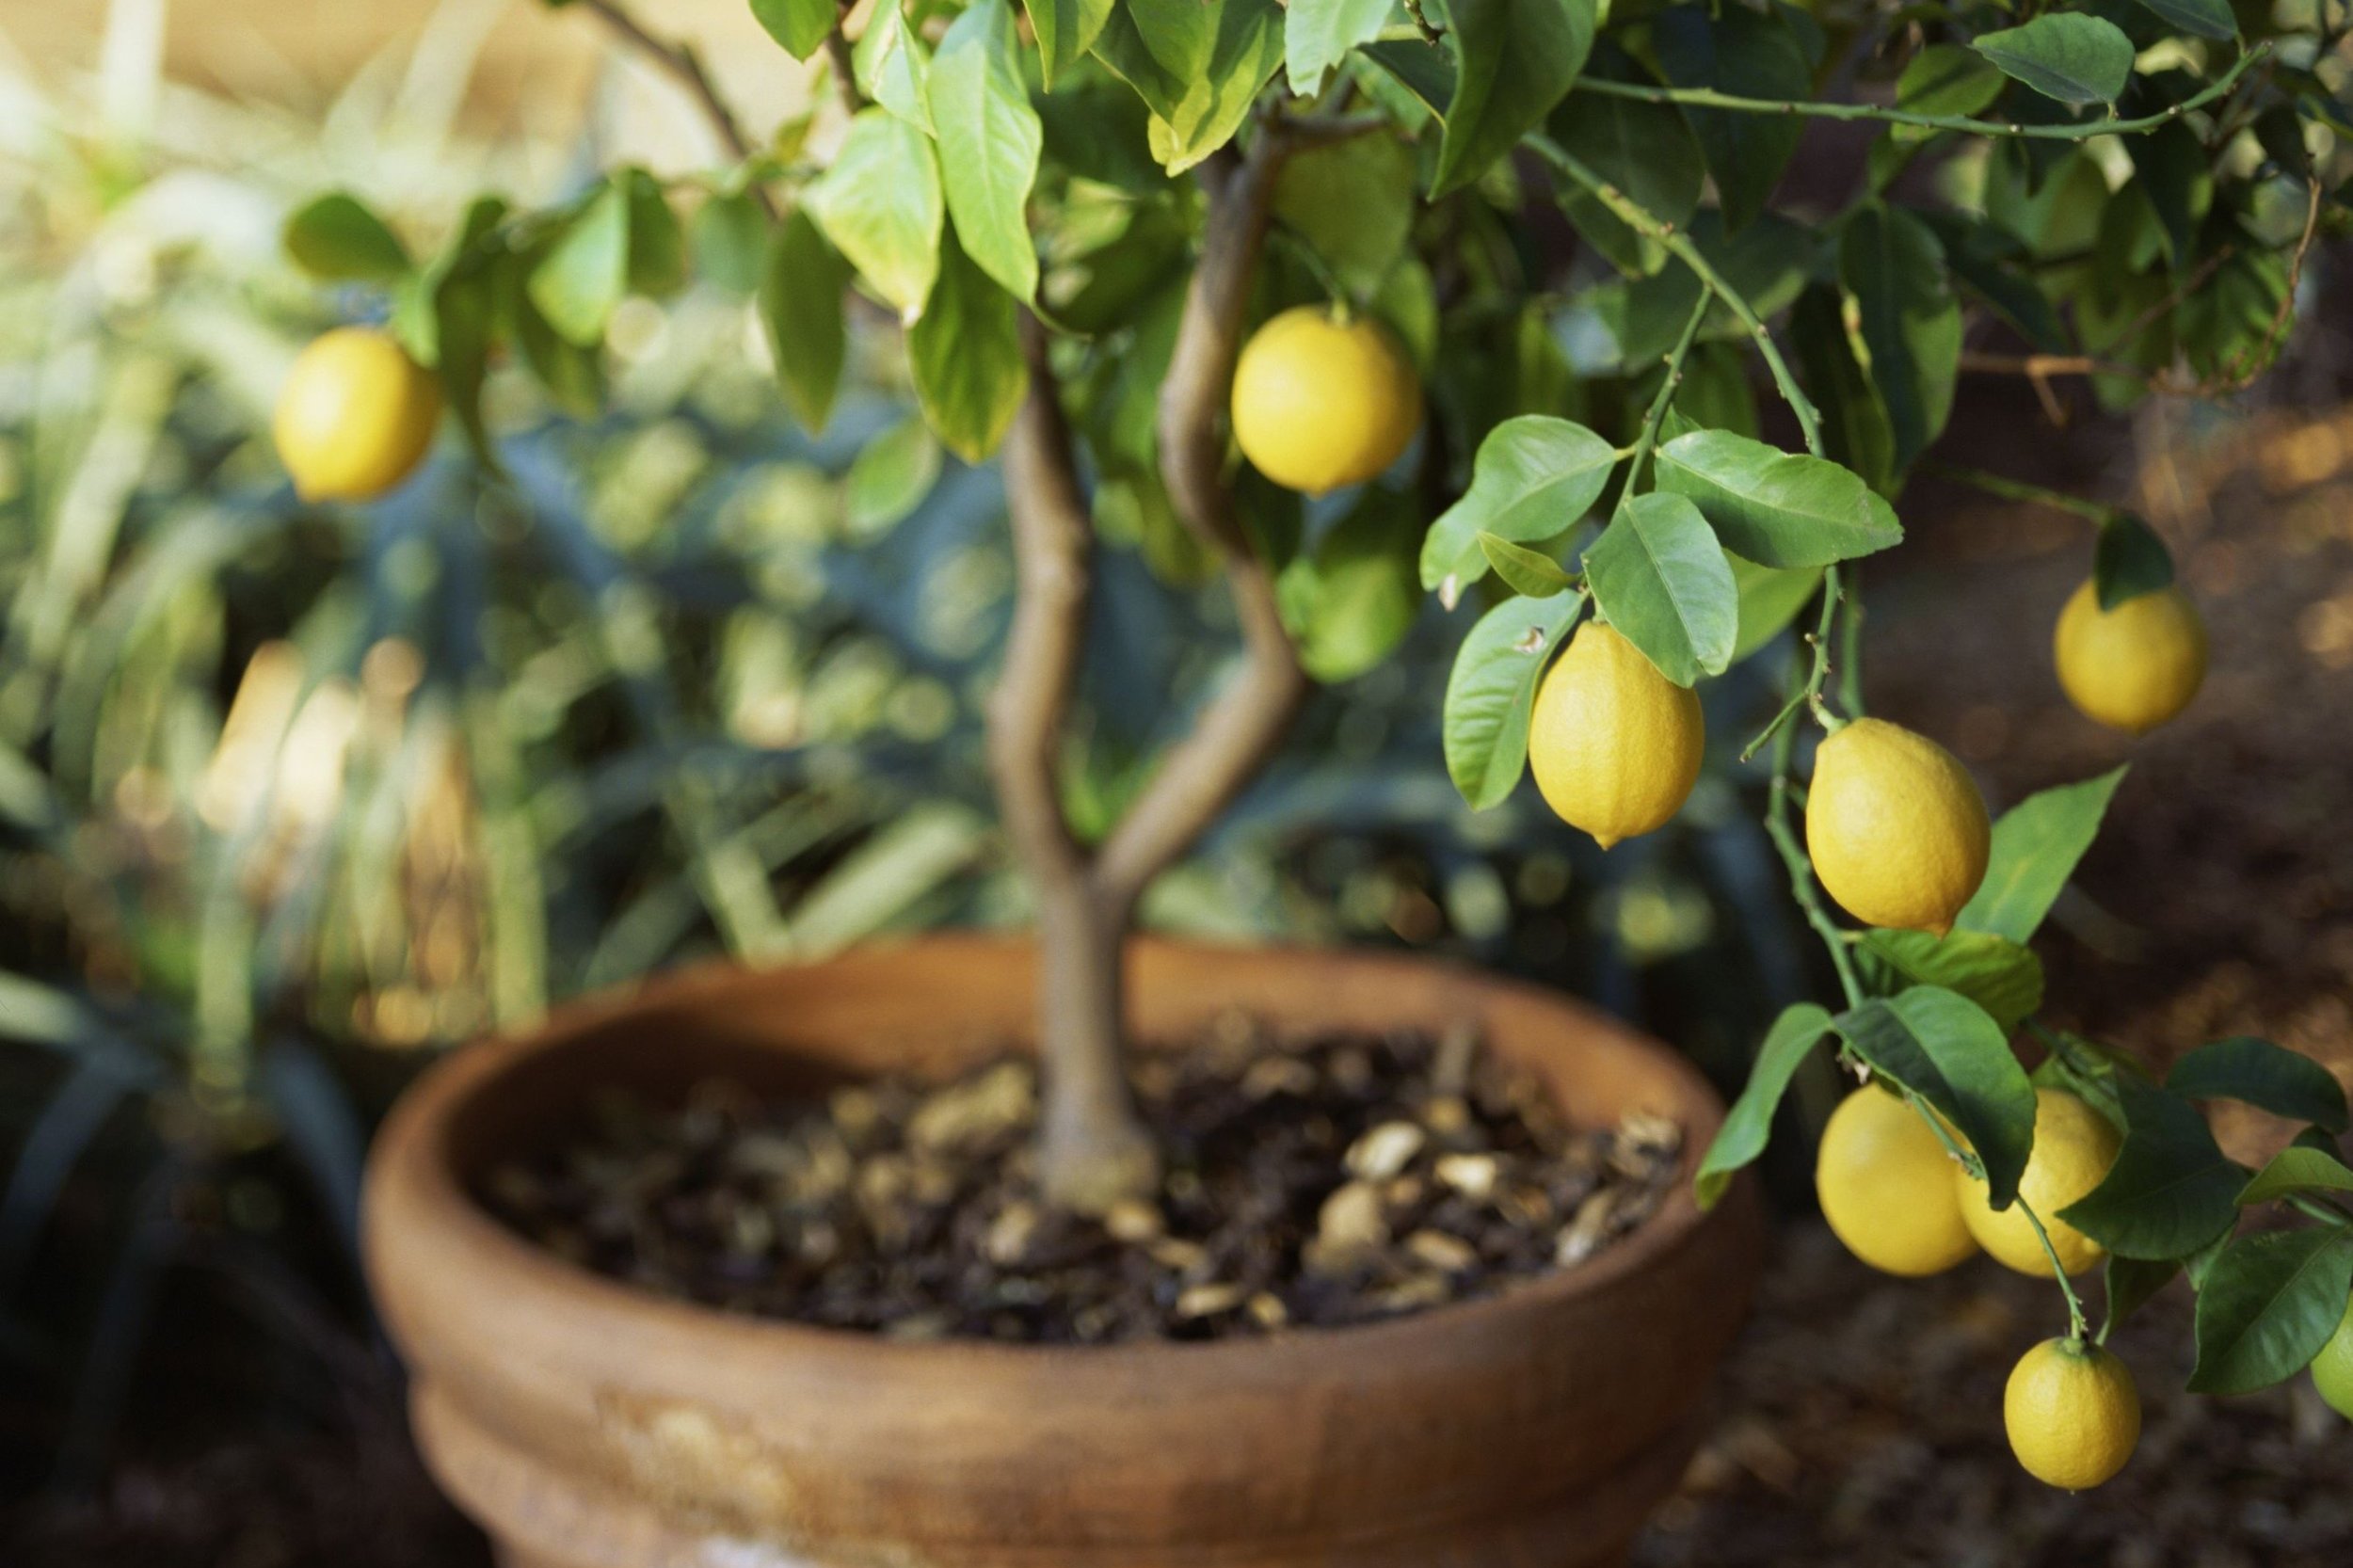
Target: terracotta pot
<point>589,1425</point>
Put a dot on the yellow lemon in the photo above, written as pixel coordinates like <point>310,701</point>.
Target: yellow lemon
<point>2072,1413</point>
<point>2074,1147</point>
<point>355,416</point>
<point>2332,1368</point>
<point>1886,1185</point>
<point>1896,827</point>
<point>1614,744</point>
<point>1320,402</point>
<point>2135,666</point>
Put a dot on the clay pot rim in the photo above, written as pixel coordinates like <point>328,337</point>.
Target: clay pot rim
<point>412,1153</point>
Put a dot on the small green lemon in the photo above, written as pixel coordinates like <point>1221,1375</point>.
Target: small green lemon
<point>1886,1185</point>
<point>355,416</point>
<point>2074,1147</point>
<point>2073,1414</point>
<point>1896,827</point>
<point>1321,401</point>
<point>2332,1368</point>
<point>2135,666</point>
<point>1615,745</point>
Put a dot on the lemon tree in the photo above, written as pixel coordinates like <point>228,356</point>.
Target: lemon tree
<point>1354,308</point>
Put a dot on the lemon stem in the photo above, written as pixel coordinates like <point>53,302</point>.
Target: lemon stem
<point>1657,416</point>
<point>2018,489</point>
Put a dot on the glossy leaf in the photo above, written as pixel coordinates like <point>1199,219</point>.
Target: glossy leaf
<point>2296,1170</point>
<point>964,353</point>
<point>337,239</point>
<point>1645,150</point>
<point>881,207</point>
<point>1945,79</point>
<point>2036,845</point>
<point>2198,17</point>
<point>1944,1048</point>
<point>989,143</point>
<point>1524,570</point>
<point>1197,65</point>
<point>1513,61</point>
<point>1533,479</point>
<point>801,307</point>
<point>893,66</point>
<point>1749,53</point>
<point>2170,1190</point>
<point>2267,1304</point>
<point>1893,269</point>
<point>1661,579</point>
<point>1777,508</point>
<point>2128,560</point>
<point>1749,1125</point>
<point>1318,35</point>
<point>2266,1076</point>
<point>2064,54</point>
<point>1491,691</point>
<point>2130,1285</point>
<point>1066,30</point>
<point>1770,598</point>
<point>1993,971</point>
<point>800,26</point>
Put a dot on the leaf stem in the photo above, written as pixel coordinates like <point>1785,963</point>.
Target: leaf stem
<point>1810,694</point>
<point>1657,417</point>
<point>2018,490</point>
<point>1708,98</point>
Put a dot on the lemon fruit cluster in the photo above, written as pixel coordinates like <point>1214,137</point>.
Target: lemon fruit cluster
<point>1896,827</point>
<point>2135,666</point>
<point>1615,745</point>
<point>2073,1414</point>
<point>355,416</point>
<point>2074,1147</point>
<point>1321,401</point>
<point>1885,1181</point>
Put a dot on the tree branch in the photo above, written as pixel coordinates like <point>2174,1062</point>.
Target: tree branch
<point>684,66</point>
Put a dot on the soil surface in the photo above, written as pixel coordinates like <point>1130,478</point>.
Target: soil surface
<point>1352,1179</point>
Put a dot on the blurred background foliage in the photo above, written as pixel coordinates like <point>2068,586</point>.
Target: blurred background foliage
<point>291,796</point>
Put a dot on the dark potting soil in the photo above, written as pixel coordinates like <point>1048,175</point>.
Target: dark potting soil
<point>1353,1178</point>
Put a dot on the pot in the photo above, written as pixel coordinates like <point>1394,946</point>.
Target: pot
<point>588,1424</point>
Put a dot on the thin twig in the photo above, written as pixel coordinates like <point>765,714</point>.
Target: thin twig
<point>684,66</point>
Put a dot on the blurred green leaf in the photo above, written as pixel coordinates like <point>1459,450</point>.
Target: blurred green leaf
<point>336,239</point>
<point>966,354</point>
<point>801,307</point>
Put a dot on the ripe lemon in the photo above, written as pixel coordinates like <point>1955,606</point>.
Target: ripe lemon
<point>2135,666</point>
<point>1614,744</point>
<point>2332,1368</point>
<point>2074,1147</point>
<point>1320,402</point>
<point>355,416</point>
<point>1896,827</point>
<point>1886,1186</point>
<point>2072,1413</point>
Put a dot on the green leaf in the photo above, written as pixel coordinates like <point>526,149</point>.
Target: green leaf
<point>1513,61</point>
<point>1491,691</point>
<point>889,477</point>
<point>1533,479</point>
<point>1945,79</point>
<point>1770,598</point>
<point>800,26</point>
<point>964,352</point>
<point>585,272</point>
<point>657,243</point>
<point>2132,1283</point>
<point>1197,64</point>
<point>1855,427</point>
<point>1423,70</point>
<point>1749,1124</point>
<point>336,239</point>
<point>1353,203</point>
<point>2198,17</point>
<point>2065,56</point>
<point>1351,600</point>
<point>1993,971</point>
<point>2036,845</point>
<point>893,66</point>
<point>1748,54</point>
<point>1891,264</point>
<point>1777,508</point>
<point>1661,579</point>
<point>1645,150</point>
<point>1317,36</point>
<point>2267,1304</point>
<point>2297,1169</point>
<point>728,236</point>
<point>2170,1190</point>
<point>989,142</point>
<point>573,374</point>
<point>880,204</point>
<point>1524,570</point>
<point>800,304</point>
<point>1944,1048</point>
<point>2129,560</point>
<point>2258,1073</point>
<point>1066,30</point>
